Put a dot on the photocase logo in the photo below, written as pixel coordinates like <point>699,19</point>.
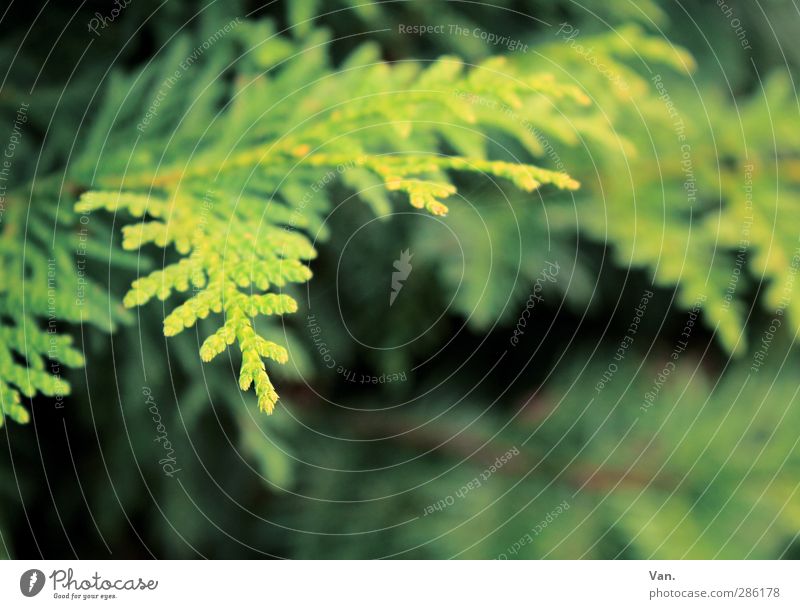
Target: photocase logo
<point>403,266</point>
<point>31,582</point>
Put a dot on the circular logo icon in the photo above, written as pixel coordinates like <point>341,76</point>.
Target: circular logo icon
<point>31,582</point>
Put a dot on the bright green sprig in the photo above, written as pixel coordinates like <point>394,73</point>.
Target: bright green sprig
<point>239,211</point>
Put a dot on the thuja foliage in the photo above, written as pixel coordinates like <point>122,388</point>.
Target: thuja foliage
<point>712,202</point>
<point>239,196</point>
<point>597,147</point>
<point>719,209</point>
<point>227,143</point>
<point>45,252</point>
<point>680,181</point>
<point>236,137</point>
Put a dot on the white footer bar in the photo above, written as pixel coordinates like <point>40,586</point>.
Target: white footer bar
<point>401,584</point>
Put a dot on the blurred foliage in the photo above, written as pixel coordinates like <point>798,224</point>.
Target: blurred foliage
<point>701,473</point>
<point>486,448</point>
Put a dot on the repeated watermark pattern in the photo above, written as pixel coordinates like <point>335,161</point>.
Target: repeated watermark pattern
<point>82,280</point>
<point>329,361</point>
<point>686,163</point>
<point>508,111</point>
<point>100,22</point>
<point>168,462</point>
<point>548,275</point>
<point>678,349</point>
<point>173,79</point>
<point>402,272</point>
<point>8,154</point>
<point>453,29</point>
<point>744,239</point>
<point>626,341</point>
<point>473,484</point>
<point>787,291</point>
<point>735,23</point>
<point>569,34</point>
<point>535,531</point>
<point>52,328</point>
